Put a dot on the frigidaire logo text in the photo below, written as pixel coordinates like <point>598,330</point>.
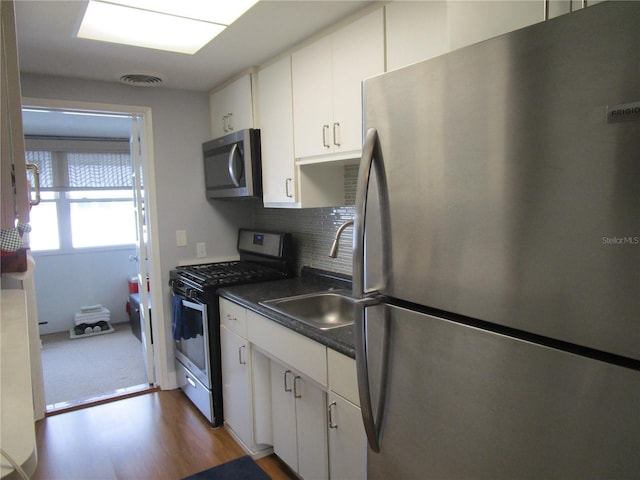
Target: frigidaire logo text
<point>623,113</point>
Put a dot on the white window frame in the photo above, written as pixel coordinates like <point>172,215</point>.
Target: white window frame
<point>59,148</point>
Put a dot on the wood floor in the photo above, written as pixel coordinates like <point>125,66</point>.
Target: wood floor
<point>159,436</point>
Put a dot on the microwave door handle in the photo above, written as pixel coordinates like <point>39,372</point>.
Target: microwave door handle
<point>232,168</point>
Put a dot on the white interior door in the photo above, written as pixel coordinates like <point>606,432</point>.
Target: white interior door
<point>137,155</point>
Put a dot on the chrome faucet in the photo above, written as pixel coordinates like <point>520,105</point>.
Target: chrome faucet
<point>333,253</point>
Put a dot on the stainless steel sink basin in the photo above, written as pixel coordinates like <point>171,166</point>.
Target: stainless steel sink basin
<point>323,310</point>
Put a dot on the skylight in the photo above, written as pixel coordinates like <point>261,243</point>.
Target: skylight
<point>183,27</point>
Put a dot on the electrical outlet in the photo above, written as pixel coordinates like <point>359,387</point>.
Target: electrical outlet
<point>201,249</point>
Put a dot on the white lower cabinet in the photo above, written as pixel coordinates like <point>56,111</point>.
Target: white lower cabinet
<point>347,440</point>
<point>236,391</point>
<point>245,395</point>
<point>299,422</point>
<point>285,390</point>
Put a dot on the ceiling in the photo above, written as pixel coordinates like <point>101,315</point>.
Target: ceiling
<point>47,43</point>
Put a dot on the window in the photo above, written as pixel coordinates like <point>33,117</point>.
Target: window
<point>86,194</point>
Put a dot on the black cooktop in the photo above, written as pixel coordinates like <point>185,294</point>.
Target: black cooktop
<point>263,256</point>
<point>228,273</point>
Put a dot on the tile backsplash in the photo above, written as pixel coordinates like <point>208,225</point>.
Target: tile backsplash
<point>313,229</point>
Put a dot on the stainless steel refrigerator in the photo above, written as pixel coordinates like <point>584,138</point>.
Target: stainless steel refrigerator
<point>497,257</point>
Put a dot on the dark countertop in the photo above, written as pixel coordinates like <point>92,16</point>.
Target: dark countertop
<point>340,339</point>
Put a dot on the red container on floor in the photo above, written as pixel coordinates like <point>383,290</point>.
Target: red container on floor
<point>133,284</point>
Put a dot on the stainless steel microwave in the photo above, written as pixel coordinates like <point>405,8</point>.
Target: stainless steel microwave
<point>232,165</point>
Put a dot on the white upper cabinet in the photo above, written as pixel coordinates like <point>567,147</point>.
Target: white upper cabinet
<point>417,31</point>
<point>284,183</point>
<point>562,7</point>
<point>472,22</point>
<point>275,105</point>
<point>312,99</point>
<point>232,107</point>
<point>327,76</point>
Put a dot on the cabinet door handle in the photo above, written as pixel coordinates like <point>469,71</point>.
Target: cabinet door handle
<point>229,115</point>
<point>286,387</point>
<point>325,129</point>
<point>229,317</point>
<point>286,187</point>
<point>295,387</point>
<point>190,381</point>
<point>330,412</point>
<point>240,361</point>
<point>224,124</point>
<point>336,126</point>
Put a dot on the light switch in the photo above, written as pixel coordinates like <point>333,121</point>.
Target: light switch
<point>181,238</point>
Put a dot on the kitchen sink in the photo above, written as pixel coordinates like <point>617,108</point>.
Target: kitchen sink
<point>322,310</point>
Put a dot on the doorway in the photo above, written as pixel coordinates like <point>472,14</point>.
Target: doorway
<point>93,212</point>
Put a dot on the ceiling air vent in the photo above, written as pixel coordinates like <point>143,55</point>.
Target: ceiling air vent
<point>141,80</point>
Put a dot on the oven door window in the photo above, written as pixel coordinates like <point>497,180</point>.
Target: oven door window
<point>194,352</point>
<point>224,167</point>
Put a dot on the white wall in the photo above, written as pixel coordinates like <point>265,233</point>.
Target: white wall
<point>66,282</point>
<point>180,126</point>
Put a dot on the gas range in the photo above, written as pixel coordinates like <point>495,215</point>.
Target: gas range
<point>196,314</point>
<point>263,256</point>
<point>194,280</point>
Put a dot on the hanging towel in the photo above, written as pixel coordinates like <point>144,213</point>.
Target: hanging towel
<point>186,322</point>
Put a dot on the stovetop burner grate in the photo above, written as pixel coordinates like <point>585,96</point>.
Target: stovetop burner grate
<point>227,273</point>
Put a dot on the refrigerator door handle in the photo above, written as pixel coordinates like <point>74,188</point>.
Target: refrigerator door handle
<point>371,154</point>
<point>372,421</point>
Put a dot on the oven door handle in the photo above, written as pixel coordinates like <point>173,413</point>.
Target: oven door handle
<point>195,306</point>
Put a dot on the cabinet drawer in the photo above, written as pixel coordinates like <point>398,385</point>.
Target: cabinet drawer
<point>342,376</point>
<point>234,317</point>
<point>298,351</point>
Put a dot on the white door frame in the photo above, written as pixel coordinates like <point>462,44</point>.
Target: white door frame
<point>155,273</point>
<point>137,157</point>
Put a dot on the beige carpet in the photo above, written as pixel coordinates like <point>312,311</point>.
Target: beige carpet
<point>92,366</point>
